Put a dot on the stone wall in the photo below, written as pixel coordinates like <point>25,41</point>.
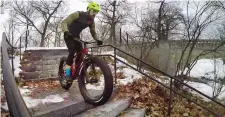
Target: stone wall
<point>166,54</point>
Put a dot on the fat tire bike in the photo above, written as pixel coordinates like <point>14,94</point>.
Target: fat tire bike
<point>86,72</point>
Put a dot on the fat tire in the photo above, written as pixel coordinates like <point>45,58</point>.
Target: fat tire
<point>108,88</point>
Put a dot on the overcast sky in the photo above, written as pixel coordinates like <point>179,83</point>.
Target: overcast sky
<point>75,5</point>
<point>80,5</point>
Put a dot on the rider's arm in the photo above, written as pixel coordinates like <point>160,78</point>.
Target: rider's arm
<point>93,32</point>
<point>66,22</point>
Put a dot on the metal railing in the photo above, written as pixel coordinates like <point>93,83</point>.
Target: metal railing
<point>170,87</point>
<point>16,104</point>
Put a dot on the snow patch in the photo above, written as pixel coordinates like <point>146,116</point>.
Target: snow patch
<point>24,91</point>
<point>52,99</point>
<point>206,89</point>
<point>130,76</point>
<point>32,102</point>
<point>205,67</point>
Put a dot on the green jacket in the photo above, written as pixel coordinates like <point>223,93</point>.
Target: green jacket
<point>78,21</point>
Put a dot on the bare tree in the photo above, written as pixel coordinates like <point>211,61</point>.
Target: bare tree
<point>150,30</point>
<point>194,25</point>
<point>4,5</point>
<point>218,82</point>
<point>55,28</point>
<point>43,9</point>
<point>114,13</point>
<point>163,20</point>
<point>103,30</point>
<point>54,25</point>
<point>11,28</point>
<point>142,40</point>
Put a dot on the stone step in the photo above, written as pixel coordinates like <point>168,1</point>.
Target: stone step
<point>53,57</point>
<point>45,52</point>
<point>37,60</point>
<point>47,57</point>
<point>72,105</point>
<point>34,56</point>
<point>38,74</point>
<point>133,113</point>
<point>33,68</point>
<point>40,62</point>
<point>110,109</point>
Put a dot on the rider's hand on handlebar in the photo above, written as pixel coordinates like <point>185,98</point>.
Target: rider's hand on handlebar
<point>67,35</point>
<point>99,42</point>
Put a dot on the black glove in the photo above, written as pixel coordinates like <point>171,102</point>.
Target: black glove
<point>67,35</point>
<point>99,42</point>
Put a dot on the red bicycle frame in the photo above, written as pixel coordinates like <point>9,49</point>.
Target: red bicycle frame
<point>76,66</point>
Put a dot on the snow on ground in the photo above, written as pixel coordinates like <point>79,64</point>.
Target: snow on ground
<point>206,89</point>
<point>32,102</point>
<point>205,67</point>
<point>130,76</point>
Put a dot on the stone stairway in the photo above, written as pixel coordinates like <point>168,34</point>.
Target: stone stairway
<point>43,64</point>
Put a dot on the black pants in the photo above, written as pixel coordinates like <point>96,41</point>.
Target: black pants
<point>73,46</point>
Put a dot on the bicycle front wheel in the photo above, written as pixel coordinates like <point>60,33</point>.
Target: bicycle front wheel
<point>95,81</point>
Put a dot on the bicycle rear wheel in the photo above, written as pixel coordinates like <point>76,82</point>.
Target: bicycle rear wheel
<point>95,81</point>
<point>64,82</point>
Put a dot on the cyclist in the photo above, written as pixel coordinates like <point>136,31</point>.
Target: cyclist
<point>72,26</point>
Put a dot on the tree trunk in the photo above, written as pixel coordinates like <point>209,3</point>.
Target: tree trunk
<point>56,39</point>
<point>26,41</point>
<point>159,26</point>
<point>42,40</point>
<point>113,35</point>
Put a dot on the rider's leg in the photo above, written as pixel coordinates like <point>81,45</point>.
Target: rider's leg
<point>78,47</point>
<point>71,48</point>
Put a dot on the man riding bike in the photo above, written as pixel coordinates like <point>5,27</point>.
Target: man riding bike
<point>72,26</point>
